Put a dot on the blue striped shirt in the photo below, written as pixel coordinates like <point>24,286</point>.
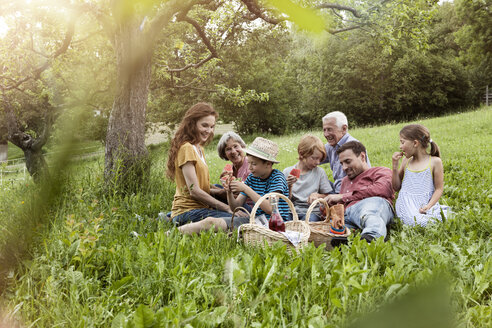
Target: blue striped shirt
<point>274,183</point>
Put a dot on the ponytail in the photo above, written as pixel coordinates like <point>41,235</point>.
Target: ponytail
<point>434,149</point>
<point>421,134</point>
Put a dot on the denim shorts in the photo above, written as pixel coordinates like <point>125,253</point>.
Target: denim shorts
<point>198,215</point>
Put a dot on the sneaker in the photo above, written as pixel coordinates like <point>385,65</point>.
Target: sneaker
<point>367,238</point>
<point>337,241</point>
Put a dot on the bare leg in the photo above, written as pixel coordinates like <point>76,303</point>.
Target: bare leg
<point>205,224</point>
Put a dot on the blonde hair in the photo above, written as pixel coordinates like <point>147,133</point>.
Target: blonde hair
<point>308,144</point>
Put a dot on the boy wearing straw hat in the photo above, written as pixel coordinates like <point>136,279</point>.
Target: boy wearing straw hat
<point>263,179</point>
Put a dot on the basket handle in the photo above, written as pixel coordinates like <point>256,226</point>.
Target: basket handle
<point>313,205</point>
<point>265,196</point>
<point>234,213</point>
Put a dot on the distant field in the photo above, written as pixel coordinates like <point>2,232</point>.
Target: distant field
<point>15,152</point>
<point>102,259</point>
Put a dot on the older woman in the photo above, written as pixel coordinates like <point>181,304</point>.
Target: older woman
<point>230,148</point>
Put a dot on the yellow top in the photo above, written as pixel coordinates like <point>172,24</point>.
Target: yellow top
<point>183,202</point>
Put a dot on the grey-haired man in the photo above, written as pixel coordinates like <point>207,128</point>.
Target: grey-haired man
<point>335,130</point>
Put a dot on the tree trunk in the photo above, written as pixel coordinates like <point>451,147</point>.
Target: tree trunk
<point>126,153</point>
<point>32,147</point>
<point>4,147</point>
<point>35,163</point>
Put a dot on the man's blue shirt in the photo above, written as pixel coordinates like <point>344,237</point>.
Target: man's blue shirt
<point>335,165</point>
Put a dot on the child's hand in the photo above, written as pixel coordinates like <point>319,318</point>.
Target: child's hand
<point>236,186</point>
<point>225,179</point>
<point>313,197</point>
<point>424,209</point>
<point>396,159</point>
<point>225,175</point>
<point>291,179</point>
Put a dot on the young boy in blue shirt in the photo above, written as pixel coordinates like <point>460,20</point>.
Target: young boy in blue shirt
<point>263,179</point>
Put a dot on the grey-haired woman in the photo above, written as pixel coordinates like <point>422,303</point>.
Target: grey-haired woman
<point>231,148</point>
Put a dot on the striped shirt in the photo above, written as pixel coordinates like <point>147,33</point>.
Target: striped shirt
<point>274,183</point>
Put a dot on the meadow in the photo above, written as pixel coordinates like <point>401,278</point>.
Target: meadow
<point>98,258</point>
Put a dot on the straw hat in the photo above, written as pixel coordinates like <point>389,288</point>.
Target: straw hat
<point>264,149</point>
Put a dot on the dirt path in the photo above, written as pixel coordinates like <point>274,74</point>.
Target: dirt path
<point>158,137</point>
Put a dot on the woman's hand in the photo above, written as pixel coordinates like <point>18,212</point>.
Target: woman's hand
<point>396,159</point>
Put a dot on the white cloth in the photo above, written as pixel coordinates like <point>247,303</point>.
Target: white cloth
<point>293,236</point>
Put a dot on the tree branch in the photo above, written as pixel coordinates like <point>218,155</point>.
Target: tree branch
<point>165,15</point>
<point>188,86</point>
<point>200,32</point>
<point>255,12</point>
<point>354,27</point>
<point>196,65</point>
<point>339,7</point>
<point>205,39</point>
<point>40,69</point>
<point>104,19</point>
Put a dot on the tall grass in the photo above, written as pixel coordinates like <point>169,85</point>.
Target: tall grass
<point>88,268</point>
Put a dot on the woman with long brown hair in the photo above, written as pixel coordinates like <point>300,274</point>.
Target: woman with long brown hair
<point>187,167</point>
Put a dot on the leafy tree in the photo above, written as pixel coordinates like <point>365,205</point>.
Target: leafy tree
<point>135,28</point>
<point>26,105</point>
<point>475,40</point>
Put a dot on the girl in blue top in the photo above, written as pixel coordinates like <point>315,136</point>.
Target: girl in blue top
<point>420,178</point>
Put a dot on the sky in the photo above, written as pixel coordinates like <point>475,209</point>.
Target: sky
<point>3,27</point>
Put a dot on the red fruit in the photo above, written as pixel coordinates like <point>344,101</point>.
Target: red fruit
<point>296,173</point>
<point>228,168</point>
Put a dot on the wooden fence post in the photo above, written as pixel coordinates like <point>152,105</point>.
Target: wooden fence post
<point>487,95</point>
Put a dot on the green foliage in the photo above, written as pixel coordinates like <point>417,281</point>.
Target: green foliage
<point>356,77</point>
<point>306,18</point>
<point>475,42</point>
<point>89,269</point>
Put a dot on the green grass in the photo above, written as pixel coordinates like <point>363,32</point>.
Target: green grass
<point>81,147</point>
<point>86,270</point>
<point>14,152</point>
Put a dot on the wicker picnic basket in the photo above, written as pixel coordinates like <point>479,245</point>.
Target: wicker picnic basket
<point>257,235</point>
<point>320,231</point>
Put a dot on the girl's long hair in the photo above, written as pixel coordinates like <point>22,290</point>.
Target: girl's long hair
<point>187,132</point>
<point>421,134</point>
